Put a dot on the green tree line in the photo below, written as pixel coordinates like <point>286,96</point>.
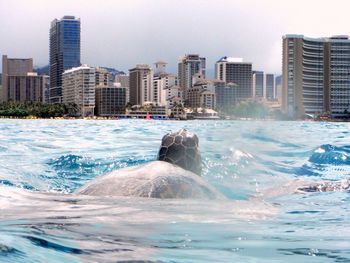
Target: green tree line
<point>252,109</point>
<point>36,109</point>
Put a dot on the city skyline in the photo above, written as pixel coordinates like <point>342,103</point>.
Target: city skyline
<point>115,34</point>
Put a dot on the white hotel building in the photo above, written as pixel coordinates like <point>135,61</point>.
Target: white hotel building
<point>78,87</point>
<point>316,76</point>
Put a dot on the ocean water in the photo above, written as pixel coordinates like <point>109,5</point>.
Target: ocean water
<point>254,164</point>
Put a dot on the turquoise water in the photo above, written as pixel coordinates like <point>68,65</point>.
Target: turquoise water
<point>44,161</point>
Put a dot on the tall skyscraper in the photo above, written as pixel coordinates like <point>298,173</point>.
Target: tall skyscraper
<point>225,95</point>
<point>278,88</point>
<point>234,70</point>
<point>258,84</point>
<point>316,76</point>
<point>124,81</point>
<point>141,78</point>
<point>188,66</point>
<point>164,90</point>
<point>64,52</point>
<point>270,86</point>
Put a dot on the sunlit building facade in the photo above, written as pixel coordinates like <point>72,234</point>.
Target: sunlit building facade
<point>316,76</point>
<point>188,66</point>
<point>78,88</point>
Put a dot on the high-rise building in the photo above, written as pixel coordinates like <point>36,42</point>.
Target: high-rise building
<point>234,70</point>
<point>78,87</point>
<point>26,88</point>
<point>141,78</point>
<point>124,81</point>
<point>1,99</point>
<point>20,83</point>
<point>188,66</point>
<point>258,84</point>
<point>64,52</point>
<point>164,90</point>
<point>174,96</point>
<point>110,98</point>
<point>160,67</point>
<point>263,85</point>
<point>316,76</point>
<point>278,88</point>
<point>13,67</point>
<point>225,95</point>
<point>102,77</point>
<point>269,86</point>
<point>46,88</point>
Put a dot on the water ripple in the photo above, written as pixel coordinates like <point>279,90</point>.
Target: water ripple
<point>43,161</point>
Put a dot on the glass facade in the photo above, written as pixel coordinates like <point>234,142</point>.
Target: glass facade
<point>259,83</point>
<point>64,52</point>
<point>225,96</point>
<point>236,71</point>
<point>240,74</point>
<point>270,86</point>
<point>110,101</point>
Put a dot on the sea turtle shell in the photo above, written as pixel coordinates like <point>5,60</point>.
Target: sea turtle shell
<point>155,179</point>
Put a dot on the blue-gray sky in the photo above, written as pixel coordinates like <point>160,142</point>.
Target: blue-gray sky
<point>122,33</point>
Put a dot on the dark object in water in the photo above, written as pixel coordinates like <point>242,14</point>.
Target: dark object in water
<point>181,148</point>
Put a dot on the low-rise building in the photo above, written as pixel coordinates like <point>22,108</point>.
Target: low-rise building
<point>202,113</point>
<point>148,109</point>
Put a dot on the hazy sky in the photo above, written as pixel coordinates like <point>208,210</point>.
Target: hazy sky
<point>122,33</point>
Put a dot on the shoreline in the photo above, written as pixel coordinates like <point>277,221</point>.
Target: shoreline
<point>199,119</point>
